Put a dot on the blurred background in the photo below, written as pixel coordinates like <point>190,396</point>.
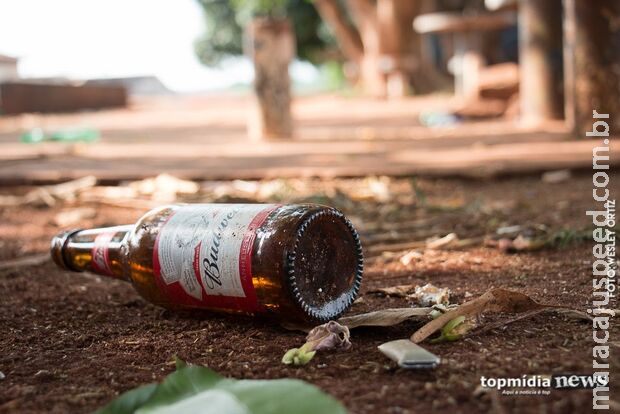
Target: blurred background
<point>317,88</point>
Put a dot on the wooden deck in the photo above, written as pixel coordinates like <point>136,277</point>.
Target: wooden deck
<point>205,138</point>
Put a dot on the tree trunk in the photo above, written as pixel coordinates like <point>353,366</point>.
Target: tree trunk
<point>397,59</point>
<point>387,53</point>
<point>272,47</point>
<point>372,75</point>
<point>592,62</point>
<point>347,36</point>
<point>540,45</point>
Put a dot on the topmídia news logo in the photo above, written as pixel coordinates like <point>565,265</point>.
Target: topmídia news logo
<point>543,384</point>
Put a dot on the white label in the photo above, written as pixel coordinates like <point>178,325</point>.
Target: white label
<point>199,247</point>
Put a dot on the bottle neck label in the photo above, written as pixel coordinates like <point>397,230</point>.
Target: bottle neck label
<point>100,257</point>
<point>203,255</point>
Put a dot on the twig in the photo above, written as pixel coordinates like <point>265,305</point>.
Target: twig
<point>500,300</point>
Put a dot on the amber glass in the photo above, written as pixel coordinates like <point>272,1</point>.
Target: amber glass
<point>306,261</point>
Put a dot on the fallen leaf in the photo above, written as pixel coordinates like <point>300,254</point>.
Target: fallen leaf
<point>329,336</point>
<point>197,389</point>
<point>385,317</point>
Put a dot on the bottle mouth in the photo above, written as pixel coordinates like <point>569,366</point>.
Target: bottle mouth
<point>57,246</point>
<point>326,265</point>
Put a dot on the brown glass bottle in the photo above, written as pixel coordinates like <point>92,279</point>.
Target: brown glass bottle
<point>298,262</point>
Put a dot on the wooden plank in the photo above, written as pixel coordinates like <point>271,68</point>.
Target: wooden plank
<point>498,159</point>
<point>23,97</point>
<point>448,22</point>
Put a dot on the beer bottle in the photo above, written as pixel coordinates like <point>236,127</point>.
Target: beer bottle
<point>299,262</point>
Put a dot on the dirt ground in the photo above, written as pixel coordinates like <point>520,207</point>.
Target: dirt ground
<point>71,342</point>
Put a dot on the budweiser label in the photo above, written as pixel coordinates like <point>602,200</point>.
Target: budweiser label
<point>202,255</point>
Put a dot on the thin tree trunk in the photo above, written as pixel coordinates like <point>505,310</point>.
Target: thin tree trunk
<point>272,49</point>
<point>371,73</point>
<point>540,45</point>
<point>396,53</point>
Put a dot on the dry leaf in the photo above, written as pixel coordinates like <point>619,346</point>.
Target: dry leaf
<point>385,317</point>
<point>330,335</point>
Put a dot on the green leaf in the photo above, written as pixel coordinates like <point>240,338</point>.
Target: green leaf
<point>196,389</point>
<point>182,383</point>
<point>130,401</point>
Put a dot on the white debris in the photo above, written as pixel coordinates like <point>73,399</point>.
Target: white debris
<point>554,177</point>
<point>429,295</point>
<point>164,187</point>
<point>442,242</point>
<point>69,217</point>
<point>409,257</point>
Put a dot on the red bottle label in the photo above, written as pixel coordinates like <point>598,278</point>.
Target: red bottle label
<point>203,255</point>
<point>100,259</point>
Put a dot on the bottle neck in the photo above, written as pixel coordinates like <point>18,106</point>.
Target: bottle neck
<point>97,250</point>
